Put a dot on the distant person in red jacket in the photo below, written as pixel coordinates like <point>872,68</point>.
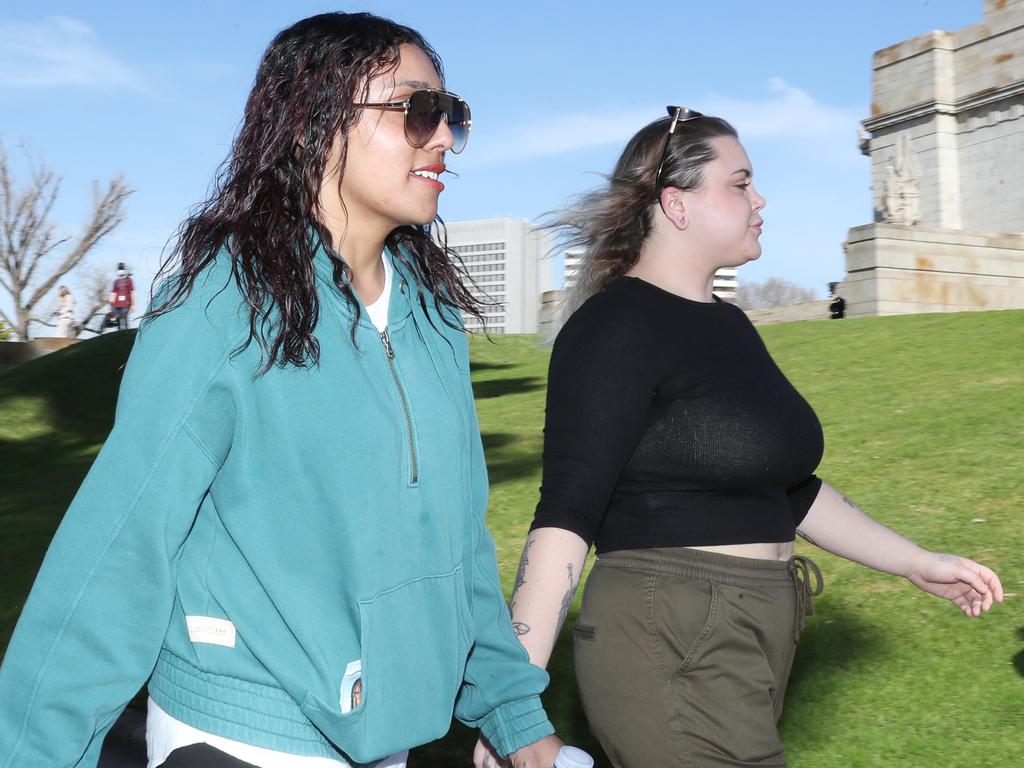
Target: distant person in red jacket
<point>122,297</point>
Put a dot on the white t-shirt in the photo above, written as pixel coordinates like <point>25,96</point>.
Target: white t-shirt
<point>164,734</point>
<point>378,311</point>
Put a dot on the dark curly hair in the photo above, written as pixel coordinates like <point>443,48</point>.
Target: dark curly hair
<point>265,197</point>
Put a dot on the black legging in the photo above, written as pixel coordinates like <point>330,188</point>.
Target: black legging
<point>202,756</point>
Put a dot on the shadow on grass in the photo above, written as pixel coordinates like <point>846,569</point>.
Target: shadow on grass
<point>78,383</point>
<point>475,366</point>
<point>512,386</point>
<point>495,440</point>
<point>560,700</point>
<point>1018,659</point>
<point>40,473</point>
<point>39,480</point>
<point>834,645</point>
<point>504,464</point>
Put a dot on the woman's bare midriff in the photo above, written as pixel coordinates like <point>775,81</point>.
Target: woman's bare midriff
<point>778,550</point>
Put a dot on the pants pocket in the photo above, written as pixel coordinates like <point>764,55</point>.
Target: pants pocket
<point>586,632</point>
<point>683,616</point>
<point>723,696</point>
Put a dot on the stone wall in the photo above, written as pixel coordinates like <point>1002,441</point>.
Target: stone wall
<point>895,270</point>
<point>791,313</point>
<point>960,97</point>
<point>992,166</point>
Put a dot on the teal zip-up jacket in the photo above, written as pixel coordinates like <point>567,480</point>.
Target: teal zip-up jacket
<point>239,540</point>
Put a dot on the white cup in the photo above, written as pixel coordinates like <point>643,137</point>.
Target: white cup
<point>573,757</point>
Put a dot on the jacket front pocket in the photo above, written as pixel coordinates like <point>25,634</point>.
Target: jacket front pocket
<point>414,648</point>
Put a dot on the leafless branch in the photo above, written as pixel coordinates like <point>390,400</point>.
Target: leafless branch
<point>6,320</point>
<point>28,239</point>
<point>773,292</point>
<point>96,290</point>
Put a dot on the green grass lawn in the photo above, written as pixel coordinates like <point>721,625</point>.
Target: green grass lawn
<point>923,418</point>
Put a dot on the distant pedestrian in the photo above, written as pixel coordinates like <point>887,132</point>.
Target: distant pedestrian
<point>837,307</point>
<point>65,313</point>
<point>122,297</point>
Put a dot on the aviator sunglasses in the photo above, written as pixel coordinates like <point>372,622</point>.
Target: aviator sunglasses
<point>678,115</point>
<point>424,110</point>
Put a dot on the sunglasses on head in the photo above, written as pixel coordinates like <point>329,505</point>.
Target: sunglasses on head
<point>678,115</point>
<point>424,109</point>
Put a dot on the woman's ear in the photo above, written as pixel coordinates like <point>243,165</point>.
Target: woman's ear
<point>673,205</point>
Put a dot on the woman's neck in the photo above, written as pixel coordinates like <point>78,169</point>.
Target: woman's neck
<point>673,270</point>
<point>362,253</point>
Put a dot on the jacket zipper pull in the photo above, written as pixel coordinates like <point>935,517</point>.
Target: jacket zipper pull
<point>388,349</point>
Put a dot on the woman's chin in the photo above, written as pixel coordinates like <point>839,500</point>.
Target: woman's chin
<point>751,255</point>
<point>422,218</point>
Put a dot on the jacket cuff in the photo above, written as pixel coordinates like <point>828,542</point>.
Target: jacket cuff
<point>514,725</point>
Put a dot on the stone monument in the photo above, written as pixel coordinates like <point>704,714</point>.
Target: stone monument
<point>946,142</point>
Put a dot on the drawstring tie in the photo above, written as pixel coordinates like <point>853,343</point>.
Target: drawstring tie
<point>800,570</point>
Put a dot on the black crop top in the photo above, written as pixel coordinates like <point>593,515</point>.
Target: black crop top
<point>668,424</point>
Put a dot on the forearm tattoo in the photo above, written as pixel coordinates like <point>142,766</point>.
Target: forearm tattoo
<point>566,599</point>
<point>520,628</point>
<point>805,537</point>
<point>524,561</point>
<point>849,503</point>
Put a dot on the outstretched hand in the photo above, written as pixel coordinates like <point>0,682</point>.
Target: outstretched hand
<point>970,586</point>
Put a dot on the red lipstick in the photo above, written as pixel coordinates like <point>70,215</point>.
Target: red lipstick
<point>429,174</point>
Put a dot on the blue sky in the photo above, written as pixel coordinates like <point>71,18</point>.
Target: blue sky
<point>155,91</point>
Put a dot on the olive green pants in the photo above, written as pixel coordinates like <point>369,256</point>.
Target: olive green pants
<point>682,656</point>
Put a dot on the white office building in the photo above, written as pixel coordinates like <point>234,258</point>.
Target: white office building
<point>724,287</point>
<point>571,260</point>
<point>507,261</point>
<point>725,283</point>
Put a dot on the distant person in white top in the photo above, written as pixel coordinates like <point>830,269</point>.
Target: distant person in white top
<point>65,313</point>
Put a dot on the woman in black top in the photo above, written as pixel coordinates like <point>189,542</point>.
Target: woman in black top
<point>676,446</point>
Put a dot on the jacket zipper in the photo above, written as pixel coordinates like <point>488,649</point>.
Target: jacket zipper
<point>389,352</point>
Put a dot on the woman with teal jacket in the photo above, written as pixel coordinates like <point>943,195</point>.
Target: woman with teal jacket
<point>284,532</point>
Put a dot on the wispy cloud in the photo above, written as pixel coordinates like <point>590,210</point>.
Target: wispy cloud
<point>786,114</point>
<point>789,113</point>
<point>59,52</point>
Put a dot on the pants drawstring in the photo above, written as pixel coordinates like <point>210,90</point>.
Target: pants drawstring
<point>800,570</point>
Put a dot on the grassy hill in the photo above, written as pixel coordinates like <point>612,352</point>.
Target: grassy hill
<point>923,418</point>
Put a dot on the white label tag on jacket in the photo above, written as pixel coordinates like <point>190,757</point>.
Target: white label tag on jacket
<point>207,629</point>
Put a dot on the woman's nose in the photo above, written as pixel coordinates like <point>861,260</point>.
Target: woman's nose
<point>443,139</point>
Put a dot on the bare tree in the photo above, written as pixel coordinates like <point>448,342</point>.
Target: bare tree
<point>773,292</point>
<point>29,263</point>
